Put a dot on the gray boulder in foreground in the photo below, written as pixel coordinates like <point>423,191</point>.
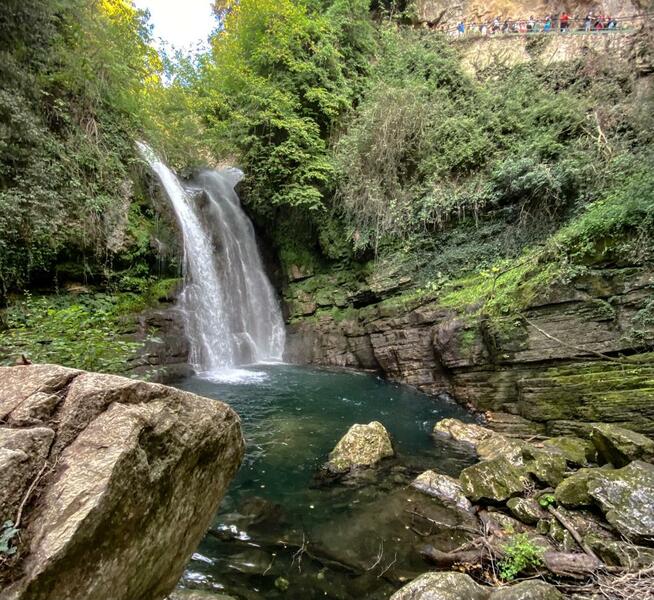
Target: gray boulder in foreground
<point>452,585</point>
<point>131,476</point>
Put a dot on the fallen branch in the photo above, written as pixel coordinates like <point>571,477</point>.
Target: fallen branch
<point>574,533</point>
<point>26,497</point>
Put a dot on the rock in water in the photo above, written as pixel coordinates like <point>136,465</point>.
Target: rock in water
<point>135,472</point>
<point>619,446</point>
<point>447,489</point>
<point>361,446</point>
<point>442,586</point>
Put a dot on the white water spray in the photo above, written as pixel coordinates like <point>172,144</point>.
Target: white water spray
<point>230,311</point>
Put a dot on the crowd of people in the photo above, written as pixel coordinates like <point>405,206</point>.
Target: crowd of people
<point>561,22</point>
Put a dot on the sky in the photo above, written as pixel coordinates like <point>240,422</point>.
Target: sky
<point>181,23</point>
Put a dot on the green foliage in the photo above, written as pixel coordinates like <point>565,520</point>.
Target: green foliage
<point>75,81</point>
<point>519,554</point>
<point>547,500</point>
<point>272,88</point>
<point>7,535</point>
<point>76,331</point>
<point>429,145</point>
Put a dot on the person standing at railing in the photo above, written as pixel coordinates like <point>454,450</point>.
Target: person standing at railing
<point>548,25</point>
<point>461,28</point>
<point>530,25</point>
<point>565,22</point>
<point>588,21</point>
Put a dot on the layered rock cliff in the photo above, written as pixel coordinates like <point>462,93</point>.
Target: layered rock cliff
<point>576,355</point>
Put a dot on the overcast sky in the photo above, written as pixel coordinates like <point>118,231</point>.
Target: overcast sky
<point>181,23</point>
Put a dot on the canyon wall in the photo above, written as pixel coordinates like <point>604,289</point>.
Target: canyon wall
<point>576,356</point>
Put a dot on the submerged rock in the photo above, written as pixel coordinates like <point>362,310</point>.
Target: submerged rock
<point>198,595</point>
<point>619,446</point>
<point>447,489</point>
<point>361,446</point>
<point>442,586</point>
<point>626,496</point>
<point>494,480</point>
<point>135,474</point>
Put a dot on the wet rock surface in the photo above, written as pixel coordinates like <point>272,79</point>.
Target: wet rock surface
<point>131,475</point>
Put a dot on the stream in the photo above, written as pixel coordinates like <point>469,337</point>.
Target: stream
<point>281,532</point>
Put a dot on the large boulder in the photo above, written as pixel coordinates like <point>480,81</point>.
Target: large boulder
<point>619,446</point>
<point>494,480</point>
<point>131,475</point>
<point>626,496</point>
<point>447,489</point>
<point>361,446</point>
<point>442,586</point>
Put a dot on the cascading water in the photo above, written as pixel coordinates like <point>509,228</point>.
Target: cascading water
<point>231,314</point>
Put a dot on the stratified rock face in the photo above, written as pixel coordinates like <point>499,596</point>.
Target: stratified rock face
<point>134,473</point>
<point>619,446</point>
<point>514,368</point>
<point>627,498</point>
<point>442,586</point>
<point>361,446</point>
<point>447,489</point>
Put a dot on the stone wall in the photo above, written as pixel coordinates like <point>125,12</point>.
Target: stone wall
<point>512,366</point>
<point>479,53</point>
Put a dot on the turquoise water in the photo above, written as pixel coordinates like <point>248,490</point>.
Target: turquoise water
<point>277,508</point>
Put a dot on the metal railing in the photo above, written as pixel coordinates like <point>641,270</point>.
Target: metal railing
<point>575,25</point>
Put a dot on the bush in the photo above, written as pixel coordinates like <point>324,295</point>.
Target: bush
<point>520,554</point>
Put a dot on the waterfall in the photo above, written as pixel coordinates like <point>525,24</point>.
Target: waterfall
<point>231,314</point>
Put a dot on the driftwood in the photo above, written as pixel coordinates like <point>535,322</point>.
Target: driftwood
<point>573,532</point>
<point>447,559</point>
<point>567,564</point>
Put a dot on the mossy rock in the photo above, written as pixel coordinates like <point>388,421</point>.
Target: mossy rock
<point>547,467</point>
<point>617,553</point>
<point>361,446</point>
<point>626,496</point>
<point>494,480</point>
<point>526,510</point>
<point>573,491</point>
<point>619,446</point>
<point>577,452</point>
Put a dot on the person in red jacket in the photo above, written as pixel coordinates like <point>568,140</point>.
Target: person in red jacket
<point>565,21</point>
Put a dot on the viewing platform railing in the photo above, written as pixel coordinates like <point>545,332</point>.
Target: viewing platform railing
<point>512,27</point>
